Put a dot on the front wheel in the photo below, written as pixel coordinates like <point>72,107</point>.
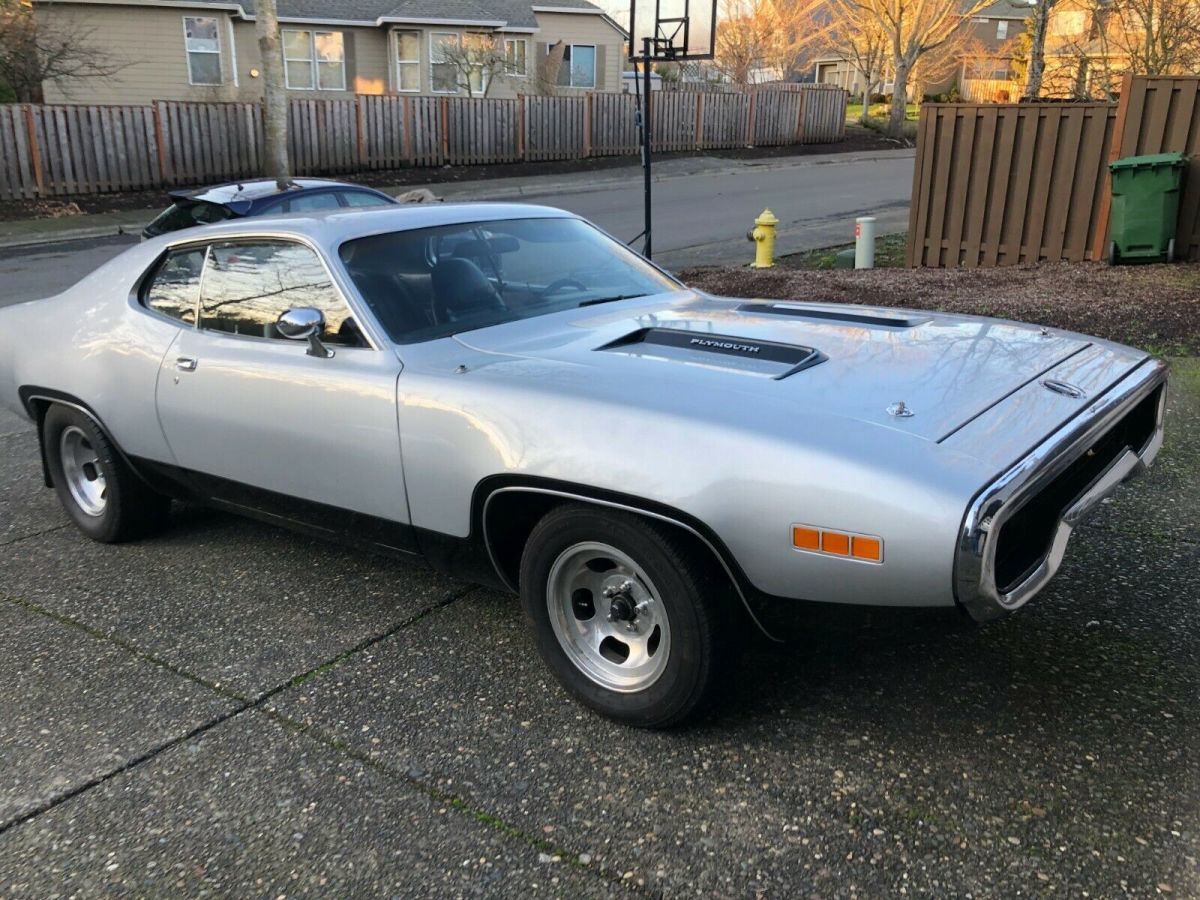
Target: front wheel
<point>101,494</point>
<point>632,619</point>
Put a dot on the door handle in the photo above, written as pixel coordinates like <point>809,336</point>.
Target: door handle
<point>185,364</point>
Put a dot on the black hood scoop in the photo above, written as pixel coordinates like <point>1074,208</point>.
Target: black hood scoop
<point>853,318</point>
<point>749,355</point>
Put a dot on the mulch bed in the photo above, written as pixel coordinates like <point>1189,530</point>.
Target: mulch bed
<point>1155,307</point>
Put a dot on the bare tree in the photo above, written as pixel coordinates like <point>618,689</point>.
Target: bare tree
<point>757,37</point>
<point>545,76</point>
<point>275,101</point>
<point>912,29</point>
<point>476,60</point>
<point>55,50</point>
<point>1035,51</point>
<point>855,36</point>
<point>1154,37</point>
<point>1093,42</point>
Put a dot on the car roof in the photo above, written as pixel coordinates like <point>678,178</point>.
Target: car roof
<point>243,192</point>
<point>331,228</point>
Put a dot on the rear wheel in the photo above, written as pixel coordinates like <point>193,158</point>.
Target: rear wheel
<point>631,618</point>
<point>101,494</point>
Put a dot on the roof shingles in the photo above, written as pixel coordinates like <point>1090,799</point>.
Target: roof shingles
<point>511,13</point>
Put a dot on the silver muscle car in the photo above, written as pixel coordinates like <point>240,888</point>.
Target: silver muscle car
<point>516,398</point>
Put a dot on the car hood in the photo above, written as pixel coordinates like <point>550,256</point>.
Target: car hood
<point>819,359</point>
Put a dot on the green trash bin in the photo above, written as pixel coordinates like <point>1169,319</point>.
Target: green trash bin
<point>1145,207</point>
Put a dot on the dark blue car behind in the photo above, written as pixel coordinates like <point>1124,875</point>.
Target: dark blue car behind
<point>202,206</point>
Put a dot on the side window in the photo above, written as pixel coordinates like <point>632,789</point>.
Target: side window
<point>311,202</point>
<point>358,198</point>
<point>175,288</point>
<point>249,285</point>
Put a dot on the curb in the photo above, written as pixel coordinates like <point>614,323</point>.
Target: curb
<point>583,187</point>
<point>62,237</point>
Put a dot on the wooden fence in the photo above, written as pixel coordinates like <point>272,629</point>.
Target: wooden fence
<point>997,185</point>
<point>1160,115</point>
<point>61,149</point>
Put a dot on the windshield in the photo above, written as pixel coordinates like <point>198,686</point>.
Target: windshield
<point>433,282</point>
<point>185,214</point>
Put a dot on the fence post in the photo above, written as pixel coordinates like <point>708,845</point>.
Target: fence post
<point>410,124</point>
<point>1114,153</point>
<point>800,117</point>
<point>359,130</point>
<point>445,129</point>
<point>750,118</point>
<point>521,101</point>
<point>699,120</point>
<point>587,123</point>
<point>35,152</point>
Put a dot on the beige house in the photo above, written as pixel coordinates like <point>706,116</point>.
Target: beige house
<point>208,50</point>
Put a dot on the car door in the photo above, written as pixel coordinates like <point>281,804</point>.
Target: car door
<point>257,420</point>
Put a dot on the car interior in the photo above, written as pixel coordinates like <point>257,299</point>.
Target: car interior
<point>431,282</point>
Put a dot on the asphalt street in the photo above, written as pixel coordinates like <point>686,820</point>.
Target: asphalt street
<point>703,209</point>
<point>237,710</point>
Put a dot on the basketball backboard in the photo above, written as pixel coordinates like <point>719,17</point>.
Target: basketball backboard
<point>678,29</point>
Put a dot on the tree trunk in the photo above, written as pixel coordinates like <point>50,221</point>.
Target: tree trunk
<point>866,110</point>
<point>899,111</point>
<point>275,102</point>
<point>1037,51</point>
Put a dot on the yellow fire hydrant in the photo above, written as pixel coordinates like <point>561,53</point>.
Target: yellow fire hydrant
<point>763,235</point>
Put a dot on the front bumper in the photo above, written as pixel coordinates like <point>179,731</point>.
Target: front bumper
<point>1048,492</point>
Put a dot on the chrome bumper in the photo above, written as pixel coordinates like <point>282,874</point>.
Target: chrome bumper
<point>975,562</point>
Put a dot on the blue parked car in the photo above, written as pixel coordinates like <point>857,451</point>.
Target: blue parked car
<point>203,206</point>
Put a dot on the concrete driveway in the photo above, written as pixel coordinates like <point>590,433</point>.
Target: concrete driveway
<point>232,709</point>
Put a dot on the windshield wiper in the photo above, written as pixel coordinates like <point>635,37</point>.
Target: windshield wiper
<point>597,300</point>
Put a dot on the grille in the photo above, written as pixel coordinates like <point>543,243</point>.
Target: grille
<point>1026,536</point>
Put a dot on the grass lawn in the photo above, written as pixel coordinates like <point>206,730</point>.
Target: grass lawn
<point>879,111</point>
<point>889,253</point>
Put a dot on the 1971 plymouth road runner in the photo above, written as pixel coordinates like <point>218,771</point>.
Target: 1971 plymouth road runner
<point>516,398</point>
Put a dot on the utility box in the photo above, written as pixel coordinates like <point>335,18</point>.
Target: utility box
<point>1145,207</point>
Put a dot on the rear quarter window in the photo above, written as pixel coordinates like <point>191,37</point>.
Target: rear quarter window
<point>174,288</point>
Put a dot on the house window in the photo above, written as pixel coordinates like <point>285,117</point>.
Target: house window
<point>444,50</point>
<point>578,67</point>
<point>1068,22</point>
<point>482,54</point>
<point>1002,29</point>
<point>203,44</point>
<point>514,56</point>
<point>314,59</point>
<point>408,61</point>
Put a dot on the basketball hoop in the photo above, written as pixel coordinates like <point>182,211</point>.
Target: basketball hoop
<point>678,30</point>
<point>665,31</point>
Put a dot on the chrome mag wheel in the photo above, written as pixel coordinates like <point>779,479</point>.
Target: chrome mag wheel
<point>608,617</point>
<point>82,472</point>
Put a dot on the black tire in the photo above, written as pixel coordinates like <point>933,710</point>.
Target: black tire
<point>129,509</point>
<point>695,596</point>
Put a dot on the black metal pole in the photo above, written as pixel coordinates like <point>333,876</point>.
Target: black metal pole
<point>647,45</point>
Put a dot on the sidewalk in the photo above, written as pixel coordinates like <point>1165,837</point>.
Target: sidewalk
<point>33,232</point>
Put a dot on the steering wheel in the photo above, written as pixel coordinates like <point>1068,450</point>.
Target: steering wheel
<point>561,284</point>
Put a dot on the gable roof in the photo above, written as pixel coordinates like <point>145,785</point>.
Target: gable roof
<point>517,14</point>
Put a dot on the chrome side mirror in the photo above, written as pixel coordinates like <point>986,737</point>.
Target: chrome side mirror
<point>304,324</point>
